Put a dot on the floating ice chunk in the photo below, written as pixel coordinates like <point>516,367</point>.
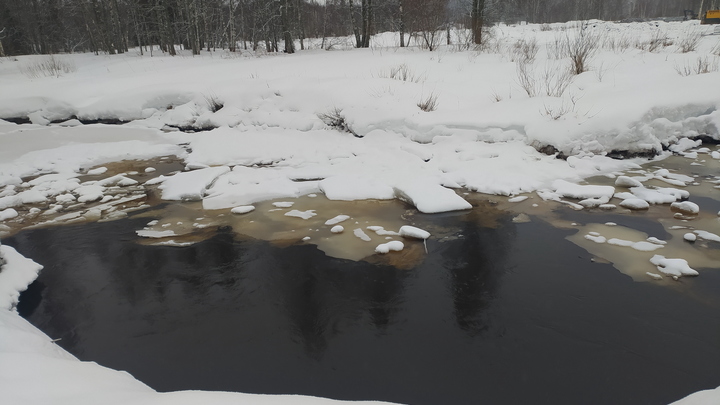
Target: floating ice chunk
<point>394,246</point>
<point>381,231</point>
<point>337,229</point>
<point>625,181</point>
<point>361,234</point>
<point>156,180</point>
<point>708,236</point>
<point>635,204</point>
<point>654,275</point>
<point>686,207</point>
<point>118,180</point>
<point>93,214</point>
<point>653,196</point>
<point>594,202</point>
<point>518,199</point>
<point>243,209</point>
<point>640,246</point>
<point>153,222</point>
<point>89,193</point>
<point>9,213</point>
<point>283,204</point>
<point>98,171</point>
<point>610,224</point>
<point>149,233</point>
<point>596,238</point>
<point>174,243</point>
<point>65,198</point>
<point>412,232</point>
<point>521,218</point>
<point>715,155</point>
<point>673,267</point>
<point>690,237</point>
<point>301,214</point>
<point>431,198</point>
<point>684,144</point>
<point>572,190</point>
<point>191,185</point>
<point>656,241</point>
<point>307,238</point>
<point>336,220</point>
<point>607,207</point>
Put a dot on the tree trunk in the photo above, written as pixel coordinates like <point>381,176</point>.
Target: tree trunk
<point>477,15</point>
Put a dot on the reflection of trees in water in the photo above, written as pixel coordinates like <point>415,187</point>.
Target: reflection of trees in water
<point>322,296</point>
<point>97,270</point>
<point>475,263</point>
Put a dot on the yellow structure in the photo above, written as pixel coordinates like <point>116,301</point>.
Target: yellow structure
<point>712,17</point>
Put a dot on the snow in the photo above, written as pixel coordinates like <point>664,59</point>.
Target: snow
<point>518,199</point>
<point>380,231</point>
<point>243,209</point>
<point>268,142</point>
<point>690,237</point>
<point>431,198</point>
<point>709,236</point>
<point>301,214</point>
<point>641,246</point>
<point>283,204</point>
<point>337,229</point>
<point>706,397</point>
<point>361,234</point>
<point>190,185</point>
<point>625,181</point>
<point>148,233</point>
<point>673,267</point>
<point>16,274</point>
<point>8,213</point>
<point>635,204</point>
<point>654,275</point>
<point>570,190</point>
<point>336,220</point>
<point>392,246</point>
<point>686,207</point>
<point>412,232</point>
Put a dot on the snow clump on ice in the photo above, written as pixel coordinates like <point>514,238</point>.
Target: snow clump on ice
<point>394,246</point>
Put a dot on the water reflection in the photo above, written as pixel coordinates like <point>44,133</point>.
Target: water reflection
<point>494,314</point>
<point>475,264</point>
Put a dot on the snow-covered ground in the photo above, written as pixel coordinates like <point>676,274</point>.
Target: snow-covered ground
<point>346,124</point>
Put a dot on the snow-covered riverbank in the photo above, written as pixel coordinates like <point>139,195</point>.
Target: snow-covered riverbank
<point>344,124</point>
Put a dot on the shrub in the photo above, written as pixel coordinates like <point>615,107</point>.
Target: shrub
<point>701,66</point>
<point>335,119</point>
<point>689,41</point>
<point>49,66</point>
<point>428,103</point>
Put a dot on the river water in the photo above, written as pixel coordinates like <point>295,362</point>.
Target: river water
<point>496,312</point>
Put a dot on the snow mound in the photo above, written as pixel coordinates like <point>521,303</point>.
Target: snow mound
<point>673,267</point>
<point>16,273</point>
<point>412,232</point>
<point>301,214</point>
<point>392,246</point>
<point>336,220</point>
<point>191,185</point>
<point>430,198</point>
<point>243,209</point>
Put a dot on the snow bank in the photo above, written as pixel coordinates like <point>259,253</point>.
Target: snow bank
<point>430,198</point>
<point>16,273</point>
<point>190,185</point>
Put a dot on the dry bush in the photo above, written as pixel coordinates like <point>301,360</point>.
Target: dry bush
<point>553,80</point>
<point>403,73</point>
<point>617,44</point>
<point>428,103</point>
<point>335,119</point>
<point>212,102</point>
<point>526,78</point>
<point>545,27</point>
<point>581,47</point>
<point>657,41</point>
<point>702,65</point>
<point>716,49</point>
<point>50,66</point>
<point>566,106</point>
<point>558,48</point>
<point>689,41</point>
<point>525,50</point>
<point>491,42</point>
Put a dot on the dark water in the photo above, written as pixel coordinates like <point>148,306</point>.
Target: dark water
<point>511,315</point>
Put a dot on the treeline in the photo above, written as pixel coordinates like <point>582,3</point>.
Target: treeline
<point>116,26</point>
